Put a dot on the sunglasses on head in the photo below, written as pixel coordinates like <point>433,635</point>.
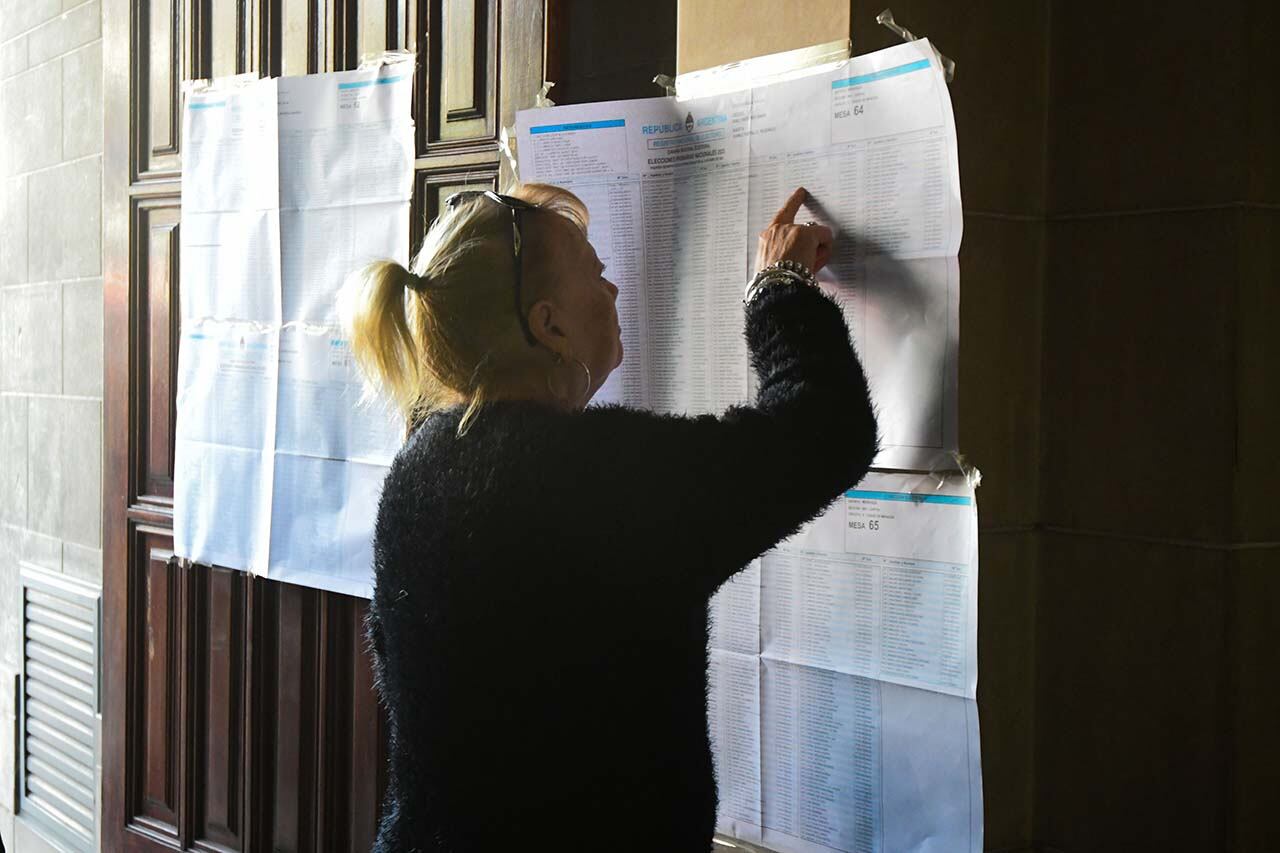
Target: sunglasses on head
<point>515,205</point>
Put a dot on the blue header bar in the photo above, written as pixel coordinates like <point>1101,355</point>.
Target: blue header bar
<point>896,71</point>
<point>360,84</point>
<point>910,497</point>
<point>578,125</point>
<point>206,105</point>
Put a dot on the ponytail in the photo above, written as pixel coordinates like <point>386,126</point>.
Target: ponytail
<point>381,339</point>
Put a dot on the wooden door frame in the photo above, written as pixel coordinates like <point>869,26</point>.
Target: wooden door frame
<point>118,22</point>
<point>140,179</point>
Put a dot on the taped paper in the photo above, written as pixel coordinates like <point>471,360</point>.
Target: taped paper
<point>885,19</point>
<point>680,189</point>
<point>541,100</point>
<point>289,184</point>
<point>843,678</point>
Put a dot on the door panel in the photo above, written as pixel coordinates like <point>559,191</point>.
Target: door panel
<point>159,76</point>
<point>153,749</point>
<point>156,259</point>
<point>463,105</point>
<point>222,26</point>
<point>216,615</point>
<point>371,27</point>
<point>431,188</point>
<point>287,721</point>
<point>240,713</point>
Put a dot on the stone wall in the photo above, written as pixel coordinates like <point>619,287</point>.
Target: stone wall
<point>50,321</point>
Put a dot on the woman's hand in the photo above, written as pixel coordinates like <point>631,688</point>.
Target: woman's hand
<point>783,240</point>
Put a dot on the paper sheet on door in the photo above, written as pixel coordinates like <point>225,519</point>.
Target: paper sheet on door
<point>289,185</point>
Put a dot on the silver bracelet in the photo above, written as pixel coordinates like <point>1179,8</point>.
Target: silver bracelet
<point>778,271</point>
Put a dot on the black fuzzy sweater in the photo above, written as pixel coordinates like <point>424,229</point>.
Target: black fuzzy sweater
<point>539,620</point>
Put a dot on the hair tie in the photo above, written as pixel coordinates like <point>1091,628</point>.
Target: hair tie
<point>417,283</point>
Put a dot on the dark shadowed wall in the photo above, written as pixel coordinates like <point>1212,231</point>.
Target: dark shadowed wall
<point>614,50</point>
<point>1159,582</point>
<point>1120,390</point>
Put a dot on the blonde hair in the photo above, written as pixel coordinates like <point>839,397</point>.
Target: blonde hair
<point>444,330</point>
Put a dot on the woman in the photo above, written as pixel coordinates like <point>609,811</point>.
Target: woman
<point>539,622</point>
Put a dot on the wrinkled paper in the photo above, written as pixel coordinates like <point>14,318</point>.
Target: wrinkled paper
<point>289,185</point>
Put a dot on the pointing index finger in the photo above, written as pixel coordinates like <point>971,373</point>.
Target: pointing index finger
<point>786,215</point>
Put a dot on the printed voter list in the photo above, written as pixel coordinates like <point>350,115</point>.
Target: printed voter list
<point>843,663</point>
<point>678,191</point>
<point>844,675</point>
<point>288,185</point>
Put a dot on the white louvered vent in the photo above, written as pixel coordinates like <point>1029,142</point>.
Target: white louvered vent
<point>58,749</point>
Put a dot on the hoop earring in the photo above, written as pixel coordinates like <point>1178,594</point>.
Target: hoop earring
<point>563,398</point>
<point>568,398</point>
<point>586,392</point>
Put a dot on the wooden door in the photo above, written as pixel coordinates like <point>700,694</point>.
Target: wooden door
<point>239,713</point>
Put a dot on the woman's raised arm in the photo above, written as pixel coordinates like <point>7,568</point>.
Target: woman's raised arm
<point>727,488</point>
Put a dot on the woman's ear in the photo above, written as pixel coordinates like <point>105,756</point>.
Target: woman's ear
<point>545,326</point>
